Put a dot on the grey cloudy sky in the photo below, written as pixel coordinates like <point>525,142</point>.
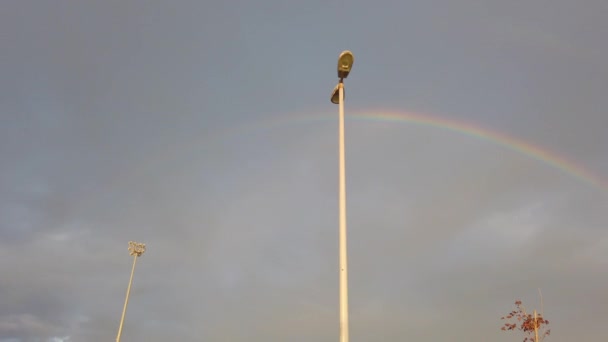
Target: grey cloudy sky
<point>183,124</point>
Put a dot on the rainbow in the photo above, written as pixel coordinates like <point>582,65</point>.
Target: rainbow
<point>529,149</point>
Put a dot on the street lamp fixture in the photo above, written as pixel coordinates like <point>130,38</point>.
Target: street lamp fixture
<point>335,95</point>
<point>345,63</point>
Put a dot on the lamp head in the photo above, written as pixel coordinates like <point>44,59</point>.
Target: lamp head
<point>335,95</point>
<point>345,63</point>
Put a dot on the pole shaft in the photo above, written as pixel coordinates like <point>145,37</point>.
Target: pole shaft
<point>342,231</point>
<point>124,310</point>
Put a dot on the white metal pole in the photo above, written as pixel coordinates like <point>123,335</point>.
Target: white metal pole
<point>342,232</point>
<point>124,310</point>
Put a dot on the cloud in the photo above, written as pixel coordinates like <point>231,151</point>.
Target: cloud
<point>26,326</point>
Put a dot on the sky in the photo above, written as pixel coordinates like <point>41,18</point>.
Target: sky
<point>476,168</point>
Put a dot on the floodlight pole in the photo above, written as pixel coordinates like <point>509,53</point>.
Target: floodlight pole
<point>136,250</point>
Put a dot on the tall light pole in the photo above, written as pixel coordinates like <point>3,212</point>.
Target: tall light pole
<point>345,63</point>
<point>136,250</point>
